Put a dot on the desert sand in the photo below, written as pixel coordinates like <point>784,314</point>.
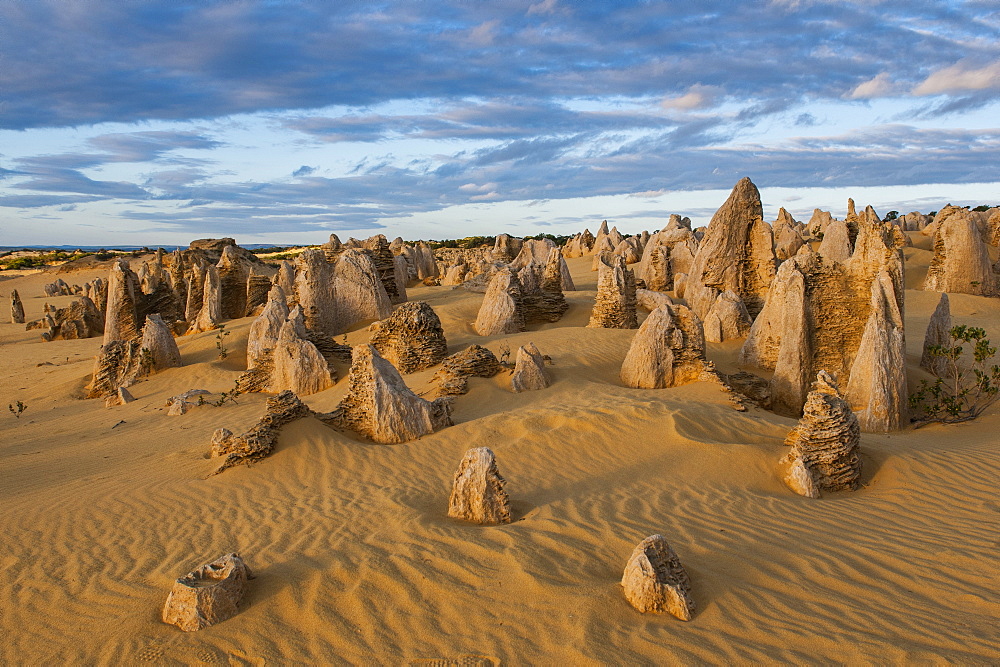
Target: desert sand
<point>356,561</point>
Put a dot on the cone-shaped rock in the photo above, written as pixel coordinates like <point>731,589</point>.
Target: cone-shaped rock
<point>667,351</point>
<point>208,595</point>
<point>16,308</point>
<point>736,254</point>
<point>938,333</point>
<point>211,307</point>
<point>961,262</point>
<point>477,494</point>
<point>265,328</point>
<point>502,311</point>
<point>614,307</point>
<point>297,364</point>
<point>118,364</point>
<point>258,286</point>
<point>158,340</point>
<point>529,370</point>
<point>121,318</point>
<point>380,406</point>
<point>411,339</point>
<point>836,244</point>
<point>825,442</point>
<point>656,582</point>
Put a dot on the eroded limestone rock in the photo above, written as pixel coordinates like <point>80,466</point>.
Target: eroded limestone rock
<point>16,308</point>
<point>938,333</point>
<point>478,494</point>
<point>411,339</point>
<point>207,595</point>
<point>297,364</point>
<point>159,341</point>
<point>380,406</point>
<point>656,582</point>
<point>502,311</point>
<point>727,319</point>
<point>121,317</point>
<point>118,364</point>
<point>824,443</point>
<point>667,351</point>
<point>474,361</point>
<point>614,307</point>
<point>961,262</point>
<point>529,370</point>
<point>359,292</point>
<point>258,441</point>
<point>210,315</point>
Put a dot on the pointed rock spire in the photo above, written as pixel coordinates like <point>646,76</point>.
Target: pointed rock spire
<point>655,581</point>
<point>477,494</point>
<point>667,351</point>
<point>938,334</point>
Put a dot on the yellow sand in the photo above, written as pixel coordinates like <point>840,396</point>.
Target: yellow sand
<point>356,561</point>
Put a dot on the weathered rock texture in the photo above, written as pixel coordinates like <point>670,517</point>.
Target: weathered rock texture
<point>667,351</point>
<point>836,245</point>
<point>614,307</point>
<point>16,308</point>
<point>787,239</point>
<point>938,333</point>
<point>474,361</point>
<point>80,319</point>
<point>411,339</point>
<point>506,248</point>
<point>544,301</point>
<point>961,262</point>
<point>380,406</point>
<point>727,319</point>
<point>656,582</point>
<point>314,292</point>
<point>265,328</point>
<point>158,342</point>
<point>529,370</point>
<point>297,364</point>
<point>359,292</point>
<point>736,254</point>
<point>121,316</point>
<point>502,311</point>
<point>385,265</point>
<point>208,595</point>
<point>210,315</point>
<point>258,286</point>
<point>477,494</point>
<point>119,364</point>
<point>824,443</point>
<point>818,311</point>
<point>258,442</point>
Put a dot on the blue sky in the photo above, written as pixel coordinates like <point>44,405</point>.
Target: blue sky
<point>281,121</point>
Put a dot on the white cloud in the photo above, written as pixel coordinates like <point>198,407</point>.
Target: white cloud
<point>544,7</point>
<point>697,97</point>
<point>879,86</point>
<point>960,77</point>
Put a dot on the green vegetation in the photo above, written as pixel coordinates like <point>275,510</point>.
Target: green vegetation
<point>220,342</point>
<point>967,387</point>
<point>17,408</point>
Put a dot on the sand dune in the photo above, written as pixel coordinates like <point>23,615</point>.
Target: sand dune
<point>356,561</point>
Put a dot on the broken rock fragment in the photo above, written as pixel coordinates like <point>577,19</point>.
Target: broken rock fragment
<point>207,595</point>
<point>529,370</point>
<point>655,581</point>
<point>477,494</point>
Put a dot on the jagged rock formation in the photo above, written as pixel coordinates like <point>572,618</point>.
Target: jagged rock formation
<point>816,227</point>
<point>258,442</point>
<point>535,251</point>
<point>119,364</point>
<point>454,275</point>
<point>656,582</point>
<point>207,595</point>
<point>543,298</point>
<point>876,388</point>
<point>159,343</point>
<point>473,361</point>
<point>614,307</point>
<point>628,252</point>
<point>649,300</point>
<point>787,239</point>
<point>210,315</point>
<point>296,363</point>
<point>667,351</point>
<point>836,244</point>
<point>16,308</point>
<point>358,289</point>
<point>80,319</point>
<point>265,328</point>
<point>385,266</point>
<point>121,397</point>
<point>285,279</point>
<point>961,262</point>
<point>258,286</point>
<point>195,291</point>
<point>817,312</point>
<point>580,245</point>
<point>401,273</point>
<point>425,264</point>
<point>529,370</point>
<point>502,311</point>
<point>727,319</point>
<point>824,443</point>
<point>315,293</point>
<point>380,406</point>
<point>411,339</point>
<point>121,317</point>
<point>477,494</point>
<point>938,333</point>
<point>736,254</point>
<point>506,248</point>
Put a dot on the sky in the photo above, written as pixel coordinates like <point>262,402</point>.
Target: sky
<point>279,121</point>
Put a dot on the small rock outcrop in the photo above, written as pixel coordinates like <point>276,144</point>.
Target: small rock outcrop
<point>529,370</point>
<point>16,308</point>
<point>473,361</point>
<point>502,311</point>
<point>258,441</point>
<point>411,339</point>
<point>667,351</point>
<point>727,319</point>
<point>380,406</point>
<point>119,364</point>
<point>80,319</point>
<point>477,494</point>
<point>825,455</point>
<point>938,334</point>
<point>614,307</point>
<point>656,582</point>
<point>207,595</point>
